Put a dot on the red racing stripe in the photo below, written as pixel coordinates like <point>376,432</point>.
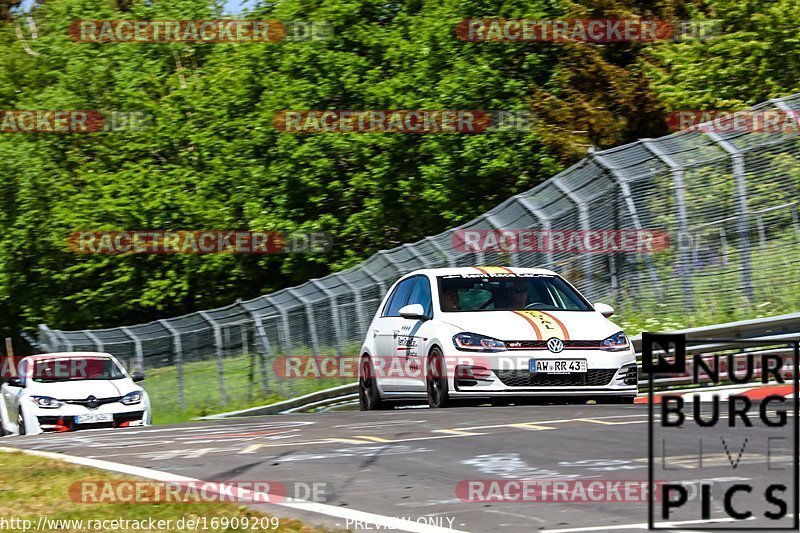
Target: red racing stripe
<point>560,324</point>
<point>532,323</point>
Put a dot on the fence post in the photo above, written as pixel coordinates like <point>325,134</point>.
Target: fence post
<point>287,339</point>
<point>513,257</point>
<point>737,157</point>
<point>359,307</point>
<point>45,332</point>
<point>218,349</point>
<point>546,226</point>
<point>447,257</point>
<point>426,263</point>
<point>583,216</point>
<point>622,180</point>
<point>337,326</point>
<point>266,350</point>
<point>178,346</point>
<point>137,346</point>
<point>97,343</point>
<point>683,222</point>
<point>68,347</point>
<point>792,113</point>
<point>251,374</point>
<point>377,280</point>
<point>312,326</point>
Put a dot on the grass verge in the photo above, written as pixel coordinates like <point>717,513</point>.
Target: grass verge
<point>34,486</point>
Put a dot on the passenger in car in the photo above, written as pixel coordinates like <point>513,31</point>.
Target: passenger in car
<point>450,300</point>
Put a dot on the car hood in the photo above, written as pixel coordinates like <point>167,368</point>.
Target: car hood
<point>534,325</point>
<point>79,390</point>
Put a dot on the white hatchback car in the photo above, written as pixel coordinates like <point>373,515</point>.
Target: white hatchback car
<point>492,333</point>
<point>70,391</point>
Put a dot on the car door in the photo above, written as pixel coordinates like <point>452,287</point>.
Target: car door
<point>387,330</point>
<point>11,395</point>
<point>411,343</point>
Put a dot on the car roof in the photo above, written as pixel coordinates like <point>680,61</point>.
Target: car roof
<point>63,355</point>
<point>500,271</point>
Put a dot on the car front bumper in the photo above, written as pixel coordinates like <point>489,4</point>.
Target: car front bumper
<point>64,418</point>
<point>608,374</point>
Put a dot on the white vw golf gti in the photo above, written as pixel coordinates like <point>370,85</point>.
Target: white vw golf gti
<point>70,391</point>
<point>493,333</point>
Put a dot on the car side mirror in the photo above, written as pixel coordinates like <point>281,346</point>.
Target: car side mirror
<point>604,309</point>
<point>15,382</point>
<point>413,311</point>
<point>137,376</point>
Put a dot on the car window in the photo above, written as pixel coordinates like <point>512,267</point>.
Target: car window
<point>564,299</point>
<point>399,297</point>
<point>421,294</point>
<point>537,292</point>
<point>75,369</point>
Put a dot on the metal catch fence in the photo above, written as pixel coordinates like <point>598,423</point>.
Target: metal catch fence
<point>729,203</point>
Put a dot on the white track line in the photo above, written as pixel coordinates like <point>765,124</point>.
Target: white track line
<point>352,515</point>
<point>642,525</point>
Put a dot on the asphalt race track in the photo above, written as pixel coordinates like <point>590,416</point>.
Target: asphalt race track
<point>408,462</point>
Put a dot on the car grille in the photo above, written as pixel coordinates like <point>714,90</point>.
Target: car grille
<point>68,421</point>
<point>98,402</point>
<point>542,345</point>
<point>524,378</point>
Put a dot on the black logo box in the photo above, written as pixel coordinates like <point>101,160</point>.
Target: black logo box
<point>673,361</point>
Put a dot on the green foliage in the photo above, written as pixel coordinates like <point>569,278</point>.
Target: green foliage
<point>212,159</point>
<point>754,56</point>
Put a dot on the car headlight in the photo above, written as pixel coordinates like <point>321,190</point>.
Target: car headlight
<point>615,343</point>
<point>132,398</point>
<point>46,402</point>
<point>472,342</point>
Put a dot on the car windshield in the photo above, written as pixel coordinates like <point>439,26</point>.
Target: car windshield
<point>517,293</point>
<point>75,369</point>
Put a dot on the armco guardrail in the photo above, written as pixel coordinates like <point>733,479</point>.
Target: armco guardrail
<point>770,329</point>
<point>774,326</point>
<point>323,398</point>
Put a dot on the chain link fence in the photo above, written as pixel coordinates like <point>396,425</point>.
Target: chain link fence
<point>728,201</point>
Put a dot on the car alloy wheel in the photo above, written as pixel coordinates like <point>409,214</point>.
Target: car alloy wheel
<point>369,399</point>
<point>438,395</point>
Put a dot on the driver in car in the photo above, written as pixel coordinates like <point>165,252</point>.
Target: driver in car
<point>518,295</point>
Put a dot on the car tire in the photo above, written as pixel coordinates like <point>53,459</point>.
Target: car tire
<point>20,423</point>
<point>369,397</point>
<point>618,400</point>
<point>436,381</point>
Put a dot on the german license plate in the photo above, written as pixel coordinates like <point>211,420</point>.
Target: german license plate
<point>558,366</point>
<point>98,418</point>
